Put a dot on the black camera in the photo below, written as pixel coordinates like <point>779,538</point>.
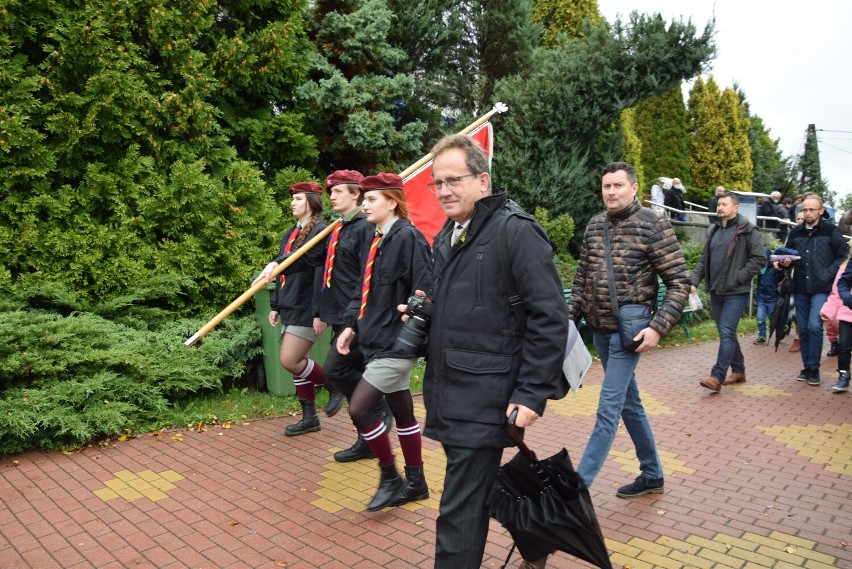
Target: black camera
<point>414,333</point>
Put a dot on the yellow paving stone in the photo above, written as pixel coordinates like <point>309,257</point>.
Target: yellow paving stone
<point>737,542</point>
<point>752,556</point>
<point>618,559</point>
<point>645,545</point>
<point>144,484</point>
<point>106,494</point>
<point>781,555</point>
<point>623,548</point>
<point>327,505</point>
<point>706,543</point>
<point>723,558</point>
<point>811,564</point>
<point>776,540</point>
<point>692,560</point>
<point>677,544</point>
<point>171,475</point>
<point>332,485</point>
<point>792,540</point>
<point>584,403</point>
<point>155,495</point>
<point>756,390</point>
<point>817,557</point>
<point>671,464</point>
<point>828,445</point>
<point>659,560</point>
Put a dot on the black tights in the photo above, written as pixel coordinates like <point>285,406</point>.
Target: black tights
<point>362,406</point>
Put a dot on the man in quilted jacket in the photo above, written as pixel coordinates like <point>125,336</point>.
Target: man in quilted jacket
<point>644,247</point>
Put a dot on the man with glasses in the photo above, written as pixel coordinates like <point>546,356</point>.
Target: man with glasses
<point>822,248</point>
<point>483,363</point>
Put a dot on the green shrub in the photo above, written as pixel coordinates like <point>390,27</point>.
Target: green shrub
<point>69,376</point>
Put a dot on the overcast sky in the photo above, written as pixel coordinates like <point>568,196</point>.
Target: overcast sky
<point>792,61</point>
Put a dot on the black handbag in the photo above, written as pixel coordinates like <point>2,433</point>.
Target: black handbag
<point>631,318</point>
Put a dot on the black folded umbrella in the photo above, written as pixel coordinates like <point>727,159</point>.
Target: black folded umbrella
<point>546,507</point>
<point>781,319</point>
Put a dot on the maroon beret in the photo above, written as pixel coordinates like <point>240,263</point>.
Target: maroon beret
<point>305,188</point>
<point>383,181</point>
<point>343,177</point>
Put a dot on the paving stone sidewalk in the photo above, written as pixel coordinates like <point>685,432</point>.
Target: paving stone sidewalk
<point>759,475</point>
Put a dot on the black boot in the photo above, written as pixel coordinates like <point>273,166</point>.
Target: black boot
<point>357,451</point>
<point>390,485</point>
<point>415,486</point>
<point>833,350</point>
<point>335,401</point>
<point>309,423</point>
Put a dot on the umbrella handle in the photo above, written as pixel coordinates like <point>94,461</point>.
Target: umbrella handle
<point>516,437</point>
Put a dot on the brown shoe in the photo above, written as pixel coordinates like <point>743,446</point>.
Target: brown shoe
<point>711,383</point>
<point>735,378</point>
<point>795,346</point>
<point>540,564</point>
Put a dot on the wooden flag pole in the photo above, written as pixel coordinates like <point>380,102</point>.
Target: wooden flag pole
<point>195,338</point>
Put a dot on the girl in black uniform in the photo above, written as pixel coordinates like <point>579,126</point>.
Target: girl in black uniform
<point>295,302</point>
<point>395,263</point>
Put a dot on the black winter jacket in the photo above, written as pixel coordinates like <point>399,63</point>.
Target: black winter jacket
<point>348,270</point>
<point>297,302</point>
<point>744,258</point>
<point>401,264</point>
<point>479,358</point>
<point>822,249</point>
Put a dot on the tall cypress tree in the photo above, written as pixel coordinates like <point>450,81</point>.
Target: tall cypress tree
<point>719,151</point>
<point>564,18</point>
<point>661,125</point>
<point>810,172</point>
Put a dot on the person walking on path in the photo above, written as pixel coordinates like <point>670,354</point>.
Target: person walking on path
<point>821,249</point>
<point>644,246</point>
<point>675,199</point>
<point>483,363</point>
<point>394,263</point>
<point>733,254</point>
<point>767,295</point>
<point>294,303</point>
<point>838,308</point>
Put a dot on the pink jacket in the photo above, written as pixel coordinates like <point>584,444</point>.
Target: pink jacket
<point>834,309</point>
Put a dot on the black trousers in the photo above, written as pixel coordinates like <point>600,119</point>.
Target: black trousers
<point>462,525</point>
<point>844,345</point>
<point>344,372</point>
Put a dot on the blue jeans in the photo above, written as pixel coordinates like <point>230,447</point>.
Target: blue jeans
<point>727,310</point>
<point>810,326</point>
<point>619,398</point>
<point>764,311</point>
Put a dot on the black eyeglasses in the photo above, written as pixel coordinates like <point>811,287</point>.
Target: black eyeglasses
<point>452,182</point>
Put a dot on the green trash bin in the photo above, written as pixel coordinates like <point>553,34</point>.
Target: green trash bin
<point>279,381</point>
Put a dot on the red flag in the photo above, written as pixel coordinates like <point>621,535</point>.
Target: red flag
<point>423,206</point>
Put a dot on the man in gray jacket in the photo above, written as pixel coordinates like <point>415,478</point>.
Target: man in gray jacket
<point>732,255</point>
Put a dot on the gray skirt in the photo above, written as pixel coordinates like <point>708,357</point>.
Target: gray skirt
<point>389,375</point>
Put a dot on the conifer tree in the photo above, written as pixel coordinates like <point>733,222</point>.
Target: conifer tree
<point>357,96</point>
<point>719,152</point>
<point>564,17</point>
<point>559,132</point>
<point>128,131</point>
<point>810,172</point>
<point>661,125</point>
